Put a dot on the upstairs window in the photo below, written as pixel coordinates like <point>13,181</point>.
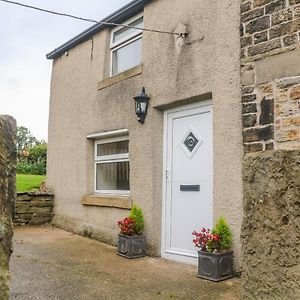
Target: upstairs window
<point>126,45</point>
<point>112,165</point>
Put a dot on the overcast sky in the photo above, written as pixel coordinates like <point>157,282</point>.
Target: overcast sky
<point>26,37</point>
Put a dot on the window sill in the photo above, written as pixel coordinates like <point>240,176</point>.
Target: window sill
<point>107,201</point>
<point>120,77</point>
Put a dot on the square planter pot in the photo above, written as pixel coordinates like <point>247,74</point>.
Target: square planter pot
<point>131,246</point>
<point>215,266</point>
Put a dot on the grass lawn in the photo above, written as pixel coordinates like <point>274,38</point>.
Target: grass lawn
<point>27,183</point>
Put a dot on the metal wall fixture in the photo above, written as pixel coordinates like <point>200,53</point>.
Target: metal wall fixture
<point>141,106</point>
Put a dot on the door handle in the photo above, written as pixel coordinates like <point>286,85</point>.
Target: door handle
<point>190,187</point>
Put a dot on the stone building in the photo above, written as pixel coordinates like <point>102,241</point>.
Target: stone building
<point>270,78</point>
<point>223,81</point>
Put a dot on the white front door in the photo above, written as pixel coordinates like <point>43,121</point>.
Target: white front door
<point>188,185</point>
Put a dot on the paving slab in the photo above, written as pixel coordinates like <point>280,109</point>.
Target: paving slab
<point>50,263</point>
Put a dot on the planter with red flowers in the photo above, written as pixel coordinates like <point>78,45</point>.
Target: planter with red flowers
<point>215,259</point>
<point>131,241</point>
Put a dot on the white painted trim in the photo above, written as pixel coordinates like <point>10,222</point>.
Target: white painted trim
<point>125,41</point>
<point>112,158</point>
<point>138,37</point>
<point>105,138</point>
<point>164,186</point>
<point>108,134</point>
<point>167,252</point>
<point>112,192</point>
<point>128,37</point>
<point>179,257</point>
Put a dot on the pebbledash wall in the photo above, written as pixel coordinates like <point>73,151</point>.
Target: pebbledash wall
<point>175,72</point>
<point>270,75</point>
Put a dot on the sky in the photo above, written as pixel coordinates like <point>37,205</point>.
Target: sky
<point>26,37</point>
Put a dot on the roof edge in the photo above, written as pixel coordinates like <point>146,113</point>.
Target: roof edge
<point>119,16</point>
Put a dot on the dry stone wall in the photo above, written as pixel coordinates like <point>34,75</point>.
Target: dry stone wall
<point>33,208</point>
<point>7,197</point>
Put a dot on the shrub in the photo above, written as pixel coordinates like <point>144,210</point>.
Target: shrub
<point>134,223</point>
<point>137,214</point>
<point>222,229</point>
<point>38,168</point>
<point>33,160</point>
<point>216,240</point>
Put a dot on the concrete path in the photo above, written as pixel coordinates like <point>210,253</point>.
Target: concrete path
<point>50,263</point>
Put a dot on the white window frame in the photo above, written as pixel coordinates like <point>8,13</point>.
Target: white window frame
<point>102,159</point>
<point>124,41</point>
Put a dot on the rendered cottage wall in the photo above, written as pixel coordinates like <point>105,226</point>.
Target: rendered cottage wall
<point>174,72</point>
<point>270,67</point>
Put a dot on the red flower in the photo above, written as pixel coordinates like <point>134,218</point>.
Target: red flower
<point>127,226</point>
<point>206,241</point>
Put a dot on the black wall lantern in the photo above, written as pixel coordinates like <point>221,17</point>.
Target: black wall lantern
<point>141,106</point>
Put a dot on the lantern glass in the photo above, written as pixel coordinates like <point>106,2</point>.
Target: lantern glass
<point>142,107</point>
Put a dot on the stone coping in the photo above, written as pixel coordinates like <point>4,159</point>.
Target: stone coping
<point>36,193</point>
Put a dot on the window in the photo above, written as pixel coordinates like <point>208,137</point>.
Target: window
<point>126,45</point>
<point>112,165</point>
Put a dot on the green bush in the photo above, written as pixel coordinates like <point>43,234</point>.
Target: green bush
<point>222,229</point>
<point>137,214</point>
<point>33,160</point>
<point>38,168</point>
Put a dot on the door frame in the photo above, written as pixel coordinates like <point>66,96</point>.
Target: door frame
<point>181,257</point>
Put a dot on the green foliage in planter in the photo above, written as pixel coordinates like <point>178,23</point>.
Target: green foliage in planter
<point>137,214</point>
<point>222,229</point>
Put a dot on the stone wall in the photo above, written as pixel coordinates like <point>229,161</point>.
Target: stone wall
<point>7,197</point>
<point>271,225</point>
<point>270,69</point>
<point>33,208</point>
<point>270,74</point>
